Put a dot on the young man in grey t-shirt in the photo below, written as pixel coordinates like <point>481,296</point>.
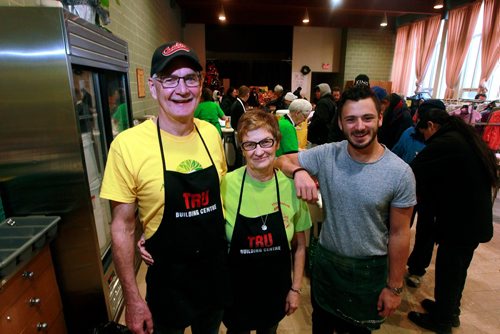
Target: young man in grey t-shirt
<point>368,197</point>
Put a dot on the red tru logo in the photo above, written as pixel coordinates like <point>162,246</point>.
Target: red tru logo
<point>193,201</point>
<point>260,241</point>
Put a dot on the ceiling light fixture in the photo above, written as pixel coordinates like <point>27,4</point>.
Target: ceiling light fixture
<point>439,4</point>
<point>222,14</point>
<point>306,17</point>
<point>384,21</point>
<point>336,3</point>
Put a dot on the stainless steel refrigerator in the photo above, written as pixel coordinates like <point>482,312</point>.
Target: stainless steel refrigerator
<point>64,96</point>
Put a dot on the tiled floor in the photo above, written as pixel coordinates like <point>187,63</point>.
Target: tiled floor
<point>480,302</point>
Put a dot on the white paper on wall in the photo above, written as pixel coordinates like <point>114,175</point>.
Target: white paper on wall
<point>304,81</point>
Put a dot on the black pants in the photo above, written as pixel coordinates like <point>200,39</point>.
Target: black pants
<point>270,330</point>
<point>324,322</point>
<point>452,263</point>
<point>207,323</point>
<point>421,255</point>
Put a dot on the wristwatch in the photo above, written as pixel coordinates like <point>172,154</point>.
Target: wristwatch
<point>396,291</point>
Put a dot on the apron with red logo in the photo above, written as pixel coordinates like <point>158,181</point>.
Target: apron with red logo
<point>260,268</point>
<point>190,273</point>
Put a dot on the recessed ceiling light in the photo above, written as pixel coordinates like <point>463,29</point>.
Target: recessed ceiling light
<point>384,21</point>
<point>222,14</point>
<point>439,4</point>
<point>306,17</point>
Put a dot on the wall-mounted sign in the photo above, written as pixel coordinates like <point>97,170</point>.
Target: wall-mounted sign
<point>141,86</point>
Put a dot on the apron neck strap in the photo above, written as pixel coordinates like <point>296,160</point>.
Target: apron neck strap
<point>243,183</point>
<point>161,144</point>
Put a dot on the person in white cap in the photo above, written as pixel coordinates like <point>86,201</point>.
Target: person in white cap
<point>169,168</point>
<point>289,97</point>
<point>298,112</point>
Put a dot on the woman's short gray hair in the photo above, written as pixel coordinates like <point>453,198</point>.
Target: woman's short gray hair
<point>301,105</point>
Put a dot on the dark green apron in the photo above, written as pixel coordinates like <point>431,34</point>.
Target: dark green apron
<point>349,287</point>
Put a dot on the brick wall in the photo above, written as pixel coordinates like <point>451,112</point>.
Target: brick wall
<point>369,52</point>
<point>144,24</point>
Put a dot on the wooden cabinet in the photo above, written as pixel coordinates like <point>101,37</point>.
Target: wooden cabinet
<point>30,301</point>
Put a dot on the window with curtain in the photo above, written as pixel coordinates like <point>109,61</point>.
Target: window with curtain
<point>430,75</point>
<point>471,70</point>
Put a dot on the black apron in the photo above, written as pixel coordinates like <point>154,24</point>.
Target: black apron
<point>190,273</point>
<point>260,266</point>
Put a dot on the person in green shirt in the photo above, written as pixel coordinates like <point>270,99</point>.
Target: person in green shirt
<point>121,117</point>
<point>208,110</point>
<point>298,112</point>
<point>265,227</point>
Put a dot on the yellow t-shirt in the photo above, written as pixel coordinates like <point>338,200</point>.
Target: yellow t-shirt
<point>134,170</point>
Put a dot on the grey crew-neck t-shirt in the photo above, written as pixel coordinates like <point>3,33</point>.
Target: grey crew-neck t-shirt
<point>357,197</point>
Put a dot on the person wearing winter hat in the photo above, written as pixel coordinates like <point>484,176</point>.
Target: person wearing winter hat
<point>409,145</point>
<point>455,173</point>
<point>427,105</point>
<point>362,79</point>
<point>382,96</point>
<point>163,167</point>
<point>380,93</point>
<point>324,112</point>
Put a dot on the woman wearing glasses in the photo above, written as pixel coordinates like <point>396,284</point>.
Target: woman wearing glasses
<point>265,224</point>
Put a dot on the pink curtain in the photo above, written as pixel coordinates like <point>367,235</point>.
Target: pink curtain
<point>490,47</point>
<point>426,34</point>
<point>401,65</point>
<point>460,28</point>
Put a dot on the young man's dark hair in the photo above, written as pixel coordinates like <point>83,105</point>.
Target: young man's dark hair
<point>357,93</point>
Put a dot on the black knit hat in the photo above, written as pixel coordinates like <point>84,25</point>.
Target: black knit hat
<point>362,79</point>
<point>167,52</point>
<point>431,104</point>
